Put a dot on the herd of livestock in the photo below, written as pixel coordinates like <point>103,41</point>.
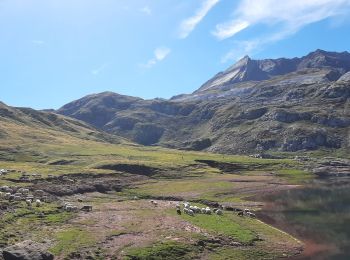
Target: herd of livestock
<point>32,197</point>
<point>38,197</point>
<point>23,194</point>
<point>192,210</point>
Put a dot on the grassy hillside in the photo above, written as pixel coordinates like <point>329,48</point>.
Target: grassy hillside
<point>119,180</point>
<point>28,128</point>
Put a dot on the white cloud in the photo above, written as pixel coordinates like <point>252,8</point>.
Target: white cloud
<point>99,69</point>
<point>189,24</point>
<point>146,10</point>
<point>293,14</point>
<point>38,42</point>
<point>229,29</point>
<point>284,18</point>
<point>160,54</point>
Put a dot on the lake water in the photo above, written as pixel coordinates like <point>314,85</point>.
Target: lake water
<point>317,214</point>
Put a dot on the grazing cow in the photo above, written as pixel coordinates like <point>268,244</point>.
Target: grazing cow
<point>23,191</point>
<point>155,203</point>
<point>240,214</point>
<point>4,188</point>
<point>189,212</point>
<point>250,214</point>
<point>195,209</point>
<point>38,203</point>
<point>178,211</point>
<point>207,211</point>
<point>17,198</point>
<point>186,205</point>
<point>30,197</point>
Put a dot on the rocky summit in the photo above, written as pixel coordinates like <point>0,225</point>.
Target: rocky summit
<point>254,106</point>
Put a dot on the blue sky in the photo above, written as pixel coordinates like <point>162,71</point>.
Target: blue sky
<point>56,51</point>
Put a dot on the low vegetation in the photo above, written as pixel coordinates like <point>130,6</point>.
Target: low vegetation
<point>123,222</point>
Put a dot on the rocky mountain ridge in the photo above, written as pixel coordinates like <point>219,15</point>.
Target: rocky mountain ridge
<point>254,106</point>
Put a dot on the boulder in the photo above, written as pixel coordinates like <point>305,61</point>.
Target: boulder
<point>289,116</point>
<point>27,250</point>
<point>253,113</point>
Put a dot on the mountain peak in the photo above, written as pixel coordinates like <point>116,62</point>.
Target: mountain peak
<point>247,69</point>
<point>320,51</point>
<point>240,63</point>
<point>246,58</point>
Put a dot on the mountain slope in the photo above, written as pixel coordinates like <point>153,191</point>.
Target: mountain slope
<point>256,70</point>
<point>283,104</point>
<point>21,127</point>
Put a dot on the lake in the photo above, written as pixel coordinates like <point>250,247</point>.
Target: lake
<point>318,214</point>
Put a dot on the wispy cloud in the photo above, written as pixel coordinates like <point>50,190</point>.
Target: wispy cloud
<point>37,42</point>
<point>189,24</point>
<point>146,10</point>
<point>283,18</point>
<point>160,54</point>
<point>292,14</point>
<point>99,69</point>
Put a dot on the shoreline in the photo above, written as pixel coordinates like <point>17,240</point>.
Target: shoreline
<point>311,249</point>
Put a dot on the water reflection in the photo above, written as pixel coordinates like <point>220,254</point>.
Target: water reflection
<point>318,214</point>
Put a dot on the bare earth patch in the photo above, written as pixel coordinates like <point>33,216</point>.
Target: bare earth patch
<point>118,225</point>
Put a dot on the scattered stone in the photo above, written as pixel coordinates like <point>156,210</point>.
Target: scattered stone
<point>27,250</point>
<point>86,208</point>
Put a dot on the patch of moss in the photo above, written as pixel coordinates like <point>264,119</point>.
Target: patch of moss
<point>222,225</point>
<point>295,176</point>
<point>241,253</point>
<point>71,240</point>
<point>165,250</point>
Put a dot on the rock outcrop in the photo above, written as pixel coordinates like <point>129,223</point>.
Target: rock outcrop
<point>27,250</point>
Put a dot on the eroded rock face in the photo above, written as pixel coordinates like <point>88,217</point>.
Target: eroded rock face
<point>338,91</point>
<point>332,167</point>
<point>310,142</point>
<point>344,78</point>
<point>27,250</point>
<point>253,106</point>
<point>253,113</point>
<point>289,116</point>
